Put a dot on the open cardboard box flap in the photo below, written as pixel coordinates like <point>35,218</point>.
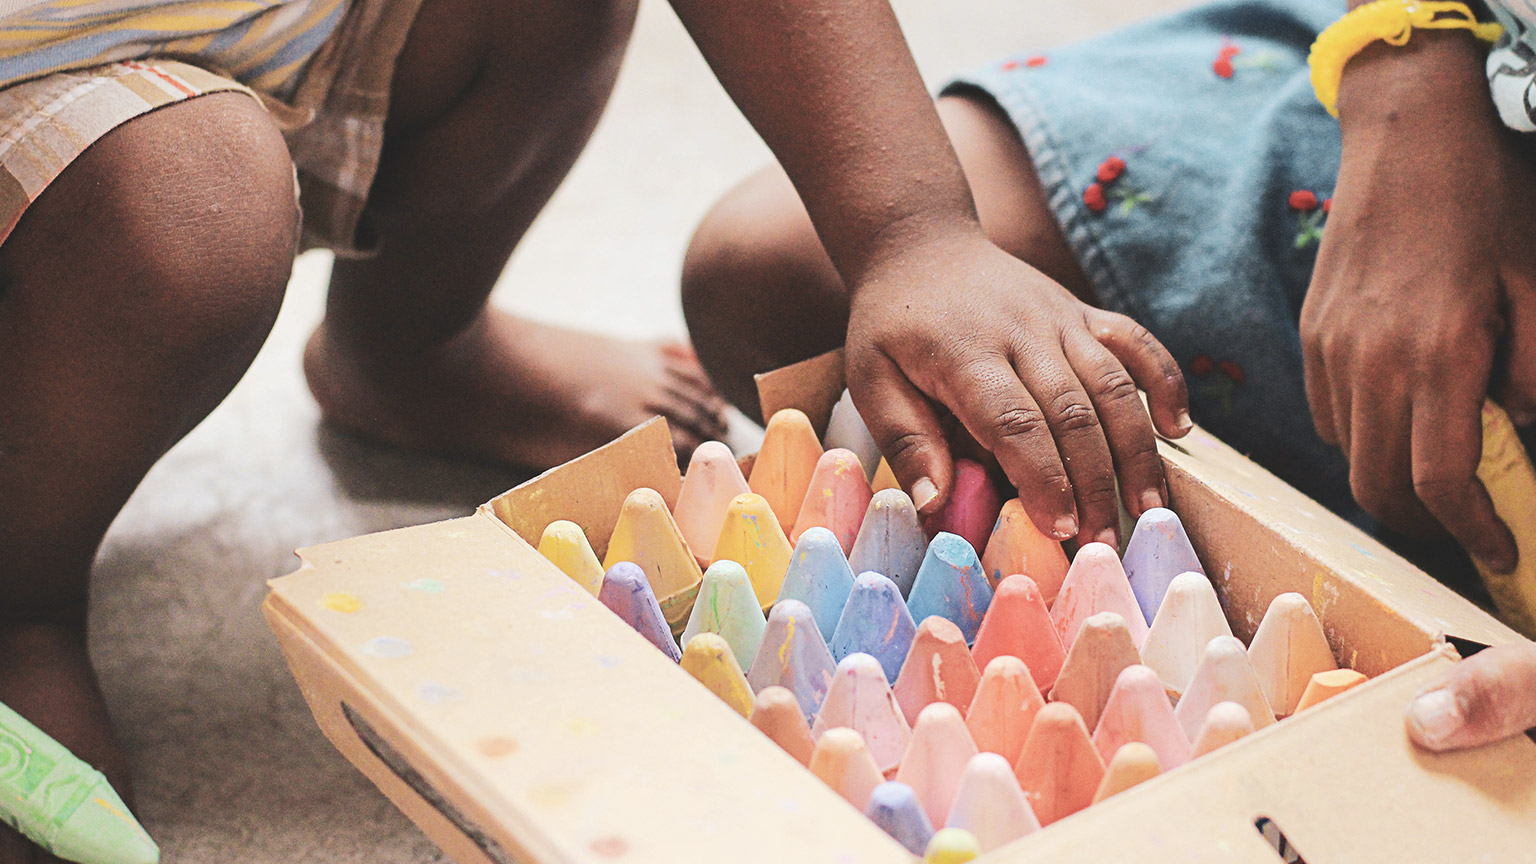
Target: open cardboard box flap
<point>513,718</point>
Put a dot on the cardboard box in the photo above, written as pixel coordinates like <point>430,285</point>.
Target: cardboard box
<point>514,718</point>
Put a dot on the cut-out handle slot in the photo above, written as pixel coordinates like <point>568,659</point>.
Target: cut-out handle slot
<point>1271,832</point>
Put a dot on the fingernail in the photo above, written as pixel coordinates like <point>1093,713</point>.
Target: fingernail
<point>1185,423</point>
<point>1522,418</point>
<point>1436,716</point>
<point>1150,499</point>
<point>1109,538</point>
<point>923,492</point>
<point>1066,527</point>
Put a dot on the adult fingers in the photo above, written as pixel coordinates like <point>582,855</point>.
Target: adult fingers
<point>1381,461</point>
<point>902,421</point>
<point>1487,697</point>
<point>1447,445</point>
<point>1319,390</point>
<point>1150,366</point>
<point>1123,417</point>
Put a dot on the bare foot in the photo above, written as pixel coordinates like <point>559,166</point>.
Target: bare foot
<point>525,394</point>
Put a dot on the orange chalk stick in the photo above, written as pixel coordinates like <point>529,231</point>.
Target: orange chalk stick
<point>1102,651</point>
<point>752,538</point>
<point>1224,675</point>
<point>842,760</point>
<point>647,536</point>
<point>1130,765</point>
<point>785,463</point>
<point>713,479</point>
<point>1017,546</point>
<point>884,477</point>
<point>861,699</point>
<point>1096,583</point>
<point>1287,650</point>
<point>776,713</point>
<point>938,668</point>
<point>1018,623</point>
<point>708,658</point>
<point>1138,710</point>
<point>1224,723</point>
<point>1326,685</point>
<point>1004,708</point>
<point>936,756</point>
<point>1188,620</point>
<point>836,498</point>
<point>566,546</point>
<point>1059,770</point>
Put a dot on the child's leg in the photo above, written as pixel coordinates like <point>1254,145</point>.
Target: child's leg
<point>493,100</point>
<point>759,291</point>
<point>133,294</point>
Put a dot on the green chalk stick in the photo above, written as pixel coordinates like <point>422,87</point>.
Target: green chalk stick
<point>61,803</point>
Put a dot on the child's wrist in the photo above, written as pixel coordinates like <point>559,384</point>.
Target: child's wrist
<point>1437,75</point>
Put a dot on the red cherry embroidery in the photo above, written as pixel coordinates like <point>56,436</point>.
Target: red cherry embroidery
<point>1036,61</point>
<point>1093,198</point>
<point>1231,370</point>
<point>1202,365</point>
<point>1111,169</point>
<point>1327,205</point>
<point>1302,200</point>
<point>1222,67</point>
<point>1010,65</point>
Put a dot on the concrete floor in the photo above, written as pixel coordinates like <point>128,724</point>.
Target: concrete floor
<point>228,762</point>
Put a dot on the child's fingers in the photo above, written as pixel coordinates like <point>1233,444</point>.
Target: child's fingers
<point>1447,445</point>
<point>1381,463</point>
<point>904,424</point>
<point>1127,428</point>
<point>1485,698</point>
<point>1151,366</point>
<point>1319,391</point>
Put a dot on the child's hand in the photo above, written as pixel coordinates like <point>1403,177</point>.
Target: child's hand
<point>1045,382</point>
<point>1404,312</point>
<point>1485,698</point>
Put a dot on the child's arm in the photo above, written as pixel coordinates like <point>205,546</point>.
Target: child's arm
<point>940,316</point>
<point>1401,321</point>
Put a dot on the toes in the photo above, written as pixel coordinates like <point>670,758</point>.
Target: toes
<point>705,421</point>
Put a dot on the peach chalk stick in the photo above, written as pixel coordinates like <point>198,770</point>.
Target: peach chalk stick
<point>846,430</point>
<point>891,540</point>
<point>1102,651</point>
<point>566,547</point>
<point>776,713</point>
<point>1326,685</point>
<point>972,508</point>
<point>950,584</point>
<point>793,655</point>
<point>708,658</point>
<point>938,668</point>
<point>712,480</point>
<point>726,605</point>
<point>875,622</point>
<point>842,761</point>
<point>819,576</point>
<point>1138,710</point>
<point>1224,723</point>
<point>1188,620</point>
<point>894,807</point>
<point>936,756</point>
<point>952,846</point>
<point>1059,769</point>
<point>627,593</point>
<point>884,478</point>
<point>1224,675</point>
<point>836,498</point>
<point>1158,551</point>
<point>1287,650</point>
<point>1134,763</point>
<point>646,535</point>
<point>1096,583</point>
<point>990,804</point>
<point>1004,708</point>
<point>861,700</point>
<point>1018,623</point>
<point>751,537</point>
<point>1017,546</point>
<point>785,462</point>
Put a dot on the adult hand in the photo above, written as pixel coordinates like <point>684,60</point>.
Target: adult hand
<point>1044,381</point>
<point>1487,697</point>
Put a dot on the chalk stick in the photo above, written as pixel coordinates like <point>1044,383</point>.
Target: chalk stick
<point>712,480</point>
<point>1224,723</point>
<point>1017,546</point>
<point>785,462</point>
<point>936,756</point>
<point>951,584</point>
<point>938,668</point>
<point>884,478</point>
<point>990,804</point>
<point>973,505</point>
<point>1188,620</point>
<point>1059,769</point>
<point>836,498</point>
<point>846,430</point>
<point>1133,763</point>
<point>875,622</point>
<point>627,593</point>
<point>842,761</point>
<point>860,699</point>
<point>708,658</point>
<point>751,537</point>
<point>894,807</point>
<point>793,655</point>
<point>61,803</point>
<point>1018,623</point>
<point>891,540</point>
<point>776,713</point>
<point>566,547</point>
<point>1326,685</point>
<point>1096,583</point>
<point>727,605</point>
<point>1138,710</point>
<point>1158,551</point>
<point>1287,650</point>
<point>951,846</point>
<point>1224,675</point>
<point>1004,709</point>
<point>819,576</point>
<point>1102,651</point>
<point>647,535</point>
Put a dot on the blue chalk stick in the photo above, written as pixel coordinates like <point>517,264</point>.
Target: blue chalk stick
<point>819,577</point>
<point>951,584</point>
<point>875,622</point>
